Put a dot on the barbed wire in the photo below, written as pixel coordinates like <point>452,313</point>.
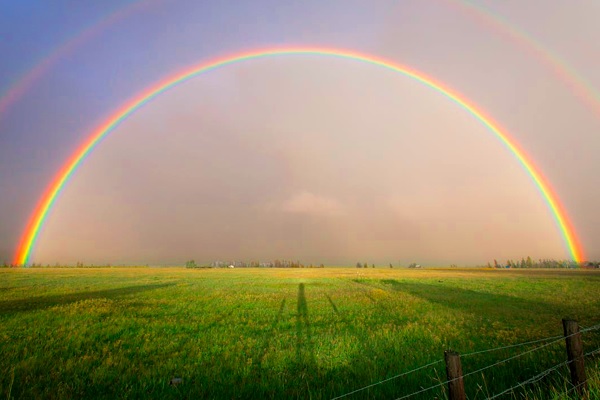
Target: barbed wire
<point>575,387</point>
<point>530,380</point>
<point>554,339</point>
<point>517,356</point>
<point>424,390</point>
<point>543,374</point>
<point>591,328</point>
<point>487,367</point>
<point>583,327</point>
<point>511,346</point>
<point>591,353</point>
<point>583,330</point>
<point>388,379</point>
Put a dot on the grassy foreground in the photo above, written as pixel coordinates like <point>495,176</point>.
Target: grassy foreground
<point>282,333</point>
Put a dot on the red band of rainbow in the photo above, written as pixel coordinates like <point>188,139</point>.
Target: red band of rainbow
<point>39,215</point>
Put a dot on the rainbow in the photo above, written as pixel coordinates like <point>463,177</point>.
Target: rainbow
<point>583,89</point>
<point>40,213</point>
<point>578,85</point>
<point>23,84</point>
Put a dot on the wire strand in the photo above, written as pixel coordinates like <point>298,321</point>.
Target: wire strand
<point>543,374</point>
<point>511,346</point>
<point>516,356</point>
<point>487,367</point>
<point>388,379</point>
<point>575,386</point>
<point>591,353</point>
<point>583,330</point>
<point>533,379</point>
<point>423,390</point>
<point>591,328</point>
<point>555,339</point>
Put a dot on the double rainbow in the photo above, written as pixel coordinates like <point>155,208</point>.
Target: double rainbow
<point>40,214</point>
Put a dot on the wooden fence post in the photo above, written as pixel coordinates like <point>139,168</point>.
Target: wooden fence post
<point>575,355</point>
<point>454,374</point>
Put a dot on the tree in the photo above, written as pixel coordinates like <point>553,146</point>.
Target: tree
<point>391,266</point>
<point>372,265</point>
<point>190,264</point>
<point>358,265</point>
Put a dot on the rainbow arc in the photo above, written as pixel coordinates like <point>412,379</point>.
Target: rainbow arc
<point>36,222</point>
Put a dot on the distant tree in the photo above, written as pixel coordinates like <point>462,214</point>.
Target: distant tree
<point>391,266</point>
<point>358,265</point>
<point>365,265</point>
<point>190,264</point>
<point>529,262</point>
<point>372,265</point>
<point>321,266</point>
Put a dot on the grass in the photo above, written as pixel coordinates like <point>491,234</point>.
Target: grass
<point>282,333</point>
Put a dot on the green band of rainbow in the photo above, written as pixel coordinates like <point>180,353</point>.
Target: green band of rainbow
<point>38,217</point>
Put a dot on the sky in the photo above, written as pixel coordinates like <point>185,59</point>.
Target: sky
<point>302,157</point>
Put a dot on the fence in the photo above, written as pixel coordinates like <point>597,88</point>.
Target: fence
<point>455,376</point>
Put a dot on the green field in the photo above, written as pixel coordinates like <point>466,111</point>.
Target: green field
<point>285,333</point>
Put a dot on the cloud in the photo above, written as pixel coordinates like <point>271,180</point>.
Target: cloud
<point>312,204</point>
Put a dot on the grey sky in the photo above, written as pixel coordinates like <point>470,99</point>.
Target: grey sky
<point>313,158</point>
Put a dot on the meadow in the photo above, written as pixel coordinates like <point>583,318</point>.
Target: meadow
<point>287,333</point>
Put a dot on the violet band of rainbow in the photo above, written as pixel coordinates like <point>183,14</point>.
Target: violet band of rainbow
<point>36,222</point>
<point>582,88</point>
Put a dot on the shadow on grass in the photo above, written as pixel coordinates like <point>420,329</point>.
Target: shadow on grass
<point>222,373</point>
<point>261,351</point>
<point>507,307</point>
<point>361,335</point>
<point>42,302</point>
<point>304,343</point>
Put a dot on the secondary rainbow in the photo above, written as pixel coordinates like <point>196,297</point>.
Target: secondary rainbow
<point>27,80</point>
<point>39,215</point>
<point>581,87</point>
<point>576,82</point>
